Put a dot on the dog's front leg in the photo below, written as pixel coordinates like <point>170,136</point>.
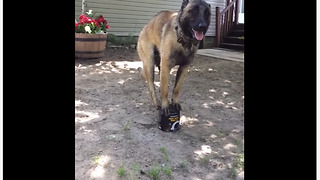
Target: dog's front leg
<point>164,85</point>
<point>180,77</point>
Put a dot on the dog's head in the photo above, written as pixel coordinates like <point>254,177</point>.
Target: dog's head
<point>194,18</point>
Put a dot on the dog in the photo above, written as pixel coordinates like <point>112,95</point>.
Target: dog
<point>172,38</point>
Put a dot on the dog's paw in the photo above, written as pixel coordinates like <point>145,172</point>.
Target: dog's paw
<point>176,106</point>
<point>166,111</point>
<point>157,104</point>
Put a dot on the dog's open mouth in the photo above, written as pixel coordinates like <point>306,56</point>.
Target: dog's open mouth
<point>198,34</point>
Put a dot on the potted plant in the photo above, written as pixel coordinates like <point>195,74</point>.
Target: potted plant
<point>90,36</point>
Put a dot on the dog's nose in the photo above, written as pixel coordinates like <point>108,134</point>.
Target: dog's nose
<point>202,26</point>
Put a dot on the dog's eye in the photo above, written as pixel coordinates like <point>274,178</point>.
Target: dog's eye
<point>207,13</point>
<point>195,10</point>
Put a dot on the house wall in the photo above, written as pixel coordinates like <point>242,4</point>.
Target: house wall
<point>128,17</point>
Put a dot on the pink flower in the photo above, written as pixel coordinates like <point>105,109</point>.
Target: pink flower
<point>100,20</point>
<point>96,23</point>
<point>82,16</point>
<point>84,20</point>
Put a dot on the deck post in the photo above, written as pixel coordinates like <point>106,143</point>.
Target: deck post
<point>217,26</point>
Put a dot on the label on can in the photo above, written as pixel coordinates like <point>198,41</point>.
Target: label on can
<point>169,123</point>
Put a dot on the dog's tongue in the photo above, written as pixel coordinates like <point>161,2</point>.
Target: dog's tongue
<point>199,35</point>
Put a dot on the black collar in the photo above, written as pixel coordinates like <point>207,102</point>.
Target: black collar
<point>186,41</point>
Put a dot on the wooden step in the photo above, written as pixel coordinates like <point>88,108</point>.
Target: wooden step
<point>239,26</point>
<point>236,33</point>
<point>234,39</point>
<point>232,46</point>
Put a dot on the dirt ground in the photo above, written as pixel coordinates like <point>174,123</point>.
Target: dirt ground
<point>116,132</point>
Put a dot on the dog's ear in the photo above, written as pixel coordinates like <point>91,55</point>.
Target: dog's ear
<point>184,4</point>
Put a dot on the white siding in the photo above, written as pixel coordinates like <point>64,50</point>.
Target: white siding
<point>130,16</point>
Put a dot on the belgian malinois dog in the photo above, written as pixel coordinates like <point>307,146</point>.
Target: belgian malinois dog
<point>169,39</point>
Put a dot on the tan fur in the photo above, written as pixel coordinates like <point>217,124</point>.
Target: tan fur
<point>152,34</point>
<point>160,33</point>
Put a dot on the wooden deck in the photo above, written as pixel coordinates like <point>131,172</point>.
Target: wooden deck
<point>224,54</point>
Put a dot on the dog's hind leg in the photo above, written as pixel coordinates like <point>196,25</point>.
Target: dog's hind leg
<point>147,73</point>
<point>180,77</point>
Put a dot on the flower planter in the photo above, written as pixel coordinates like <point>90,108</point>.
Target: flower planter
<point>90,46</point>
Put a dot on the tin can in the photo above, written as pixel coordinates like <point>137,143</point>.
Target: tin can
<point>171,122</point>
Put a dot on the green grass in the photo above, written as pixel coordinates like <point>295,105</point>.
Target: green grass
<point>96,160</point>
<point>154,172</point>
<point>237,165</point>
<point>219,134</point>
<point>184,166</point>
<point>127,126</point>
<point>238,142</point>
<point>167,170</point>
<point>121,41</point>
<point>233,172</point>
<point>204,160</point>
<point>130,174</point>
<point>164,151</point>
<point>121,172</point>
<point>136,167</point>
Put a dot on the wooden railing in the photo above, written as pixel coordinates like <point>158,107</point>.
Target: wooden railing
<point>226,19</point>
